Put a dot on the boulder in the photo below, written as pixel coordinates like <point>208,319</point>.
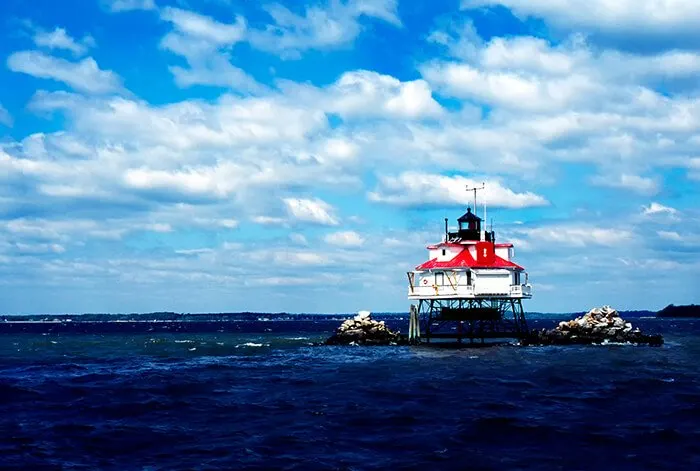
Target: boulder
<point>599,325</point>
<point>363,330</point>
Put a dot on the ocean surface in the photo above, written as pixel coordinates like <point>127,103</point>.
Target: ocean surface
<point>261,396</point>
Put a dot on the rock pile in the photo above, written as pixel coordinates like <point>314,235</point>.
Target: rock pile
<point>363,330</point>
<point>599,325</point>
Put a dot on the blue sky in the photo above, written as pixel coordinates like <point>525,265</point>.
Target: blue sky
<point>224,155</point>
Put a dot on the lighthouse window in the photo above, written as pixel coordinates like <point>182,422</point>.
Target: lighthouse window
<point>443,252</point>
<point>469,278</point>
<point>439,279</point>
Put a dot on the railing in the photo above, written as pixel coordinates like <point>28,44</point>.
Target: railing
<point>520,290</point>
<point>430,290</point>
<point>441,290</point>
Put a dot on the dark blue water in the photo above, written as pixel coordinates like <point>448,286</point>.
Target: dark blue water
<point>263,398</point>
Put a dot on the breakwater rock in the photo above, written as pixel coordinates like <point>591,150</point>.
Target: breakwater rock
<point>599,325</point>
<point>363,330</point>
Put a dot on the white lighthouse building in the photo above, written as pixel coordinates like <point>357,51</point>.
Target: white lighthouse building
<point>470,285</point>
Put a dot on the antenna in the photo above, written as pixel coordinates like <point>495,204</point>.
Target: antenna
<point>483,185</point>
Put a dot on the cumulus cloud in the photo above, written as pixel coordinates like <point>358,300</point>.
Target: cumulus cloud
<point>205,28</point>
<point>344,239</point>
<point>417,189</point>
<point>268,220</point>
<point>206,46</point>
<point>314,211</point>
<point>60,39</point>
<point>320,27</point>
<point>660,20</point>
<point>636,183</point>
<point>669,235</point>
<point>658,208</point>
<point>573,236</point>
<point>84,76</point>
<point>366,94</point>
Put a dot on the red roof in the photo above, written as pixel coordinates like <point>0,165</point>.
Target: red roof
<point>465,260</point>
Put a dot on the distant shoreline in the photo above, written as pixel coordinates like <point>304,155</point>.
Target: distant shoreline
<point>669,311</point>
<point>686,311</point>
<point>167,316</point>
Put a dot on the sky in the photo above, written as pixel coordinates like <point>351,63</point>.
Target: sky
<point>231,155</point>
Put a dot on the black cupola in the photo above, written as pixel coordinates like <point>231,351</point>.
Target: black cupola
<point>469,228</point>
<point>469,221</point>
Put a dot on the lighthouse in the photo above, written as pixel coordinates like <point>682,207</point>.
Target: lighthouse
<point>469,288</point>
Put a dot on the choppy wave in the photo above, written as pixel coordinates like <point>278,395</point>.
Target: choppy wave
<point>253,400</point>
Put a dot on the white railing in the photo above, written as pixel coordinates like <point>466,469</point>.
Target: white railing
<point>461,291</point>
<point>520,290</point>
<point>442,290</point>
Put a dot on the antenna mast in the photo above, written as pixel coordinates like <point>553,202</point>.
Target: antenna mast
<point>483,185</point>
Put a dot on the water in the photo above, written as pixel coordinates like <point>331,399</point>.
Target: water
<point>264,398</point>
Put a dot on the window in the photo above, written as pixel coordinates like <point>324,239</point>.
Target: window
<point>439,279</point>
<point>469,278</point>
<point>443,252</point>
<point>516,278</point>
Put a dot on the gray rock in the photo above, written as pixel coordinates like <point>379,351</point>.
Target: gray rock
<point>599,325</point>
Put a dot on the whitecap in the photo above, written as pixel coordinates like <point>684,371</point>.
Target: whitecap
<point>251,344</point>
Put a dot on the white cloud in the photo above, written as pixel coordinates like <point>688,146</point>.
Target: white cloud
<point>419,189</point>
<point>39,248</point>
<point>299,258</point>
<point>509,89</point>
<point>647,19</point>
<point>128,5</point>
<point>367,93</point>
<point>5,117</point>
<point>461,39</point>
<point>573,236</point>
<point>658,208</point>
<point>227,223</point>
<point>269,220</point>
<point>320,27</point>
<point>639,184</point>
<point>205,28</point>
<point>158,227</point>
<point>215,182</point>
<point>60,39</point>
<point>312,211</point>
<point>84,76</point>
<point>670,235</point>
<point>206,45</point>
<point>345,239</point>
<point>528,73</point>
